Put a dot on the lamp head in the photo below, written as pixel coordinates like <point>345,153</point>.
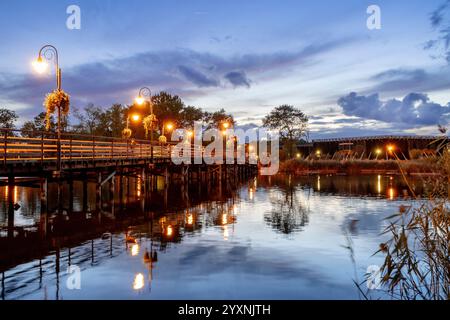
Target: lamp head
<point>40,65</point>
<point>140,100</point>
<point>135,117</point>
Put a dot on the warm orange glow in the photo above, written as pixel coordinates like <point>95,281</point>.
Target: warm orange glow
<point>135,117</point>
<point>251,193</point>
<point>224,219</point>
<point>15,193</point>
<point>390,147</point>
<point>40,65</point>
<point>318,152</point>
<point>169,231</point>
<point>190,219</point>
<point>190,133</point>
<point>298,155</point>
<point>169,126</point>
<point>226,234</point>
<point>378,151</point>
<point>140,100</point>
<point>251,148</point>
<point>391,193</point>
<point>138,282</point>
<point>134,250</point>
<point>226,125</point>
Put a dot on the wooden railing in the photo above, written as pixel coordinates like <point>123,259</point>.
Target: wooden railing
<point>22,146</point>
<point>19,146</point>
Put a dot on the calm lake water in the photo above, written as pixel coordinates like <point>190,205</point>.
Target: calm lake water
<point>268,238</point>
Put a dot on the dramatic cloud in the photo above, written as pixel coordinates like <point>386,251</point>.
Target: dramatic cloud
<point>414,109</point>
<point>184,72</point>
<point>440,21</point>
<point>238,79</point>
<point>398,81</point>
<point>197,77</point>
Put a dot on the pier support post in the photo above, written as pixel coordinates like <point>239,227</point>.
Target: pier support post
<point>112,188</point>
<point>98,193</point>
<point>121,189</point>
<point>70,182</point>
<point>10,206</point>
<point>44,203</point>
<point>85,193</point>
<point>166,176</point>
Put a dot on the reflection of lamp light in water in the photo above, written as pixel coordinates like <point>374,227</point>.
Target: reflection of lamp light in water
<point>15,193</point>
<point>379,184</point>
<point>250,193</point>
<point>318,183</point>
<point>134,249</point>
<point>224,219</point>
<point>391,193</point>
<point>225,233</point>
<point>169,231</point>
<point>138,187</point>
<point>190,219</point>
<point>138,282</point>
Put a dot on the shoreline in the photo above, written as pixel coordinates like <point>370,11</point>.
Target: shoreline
<point>422,167</point>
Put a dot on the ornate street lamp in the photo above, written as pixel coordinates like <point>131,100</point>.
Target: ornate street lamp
<point>143,97</point>
<point>49,52</point>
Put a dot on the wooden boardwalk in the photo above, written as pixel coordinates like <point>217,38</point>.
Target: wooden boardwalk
<point>29,154</point>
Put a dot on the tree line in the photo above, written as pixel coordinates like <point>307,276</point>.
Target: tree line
<point>110,122</point>
<point>289,121</point>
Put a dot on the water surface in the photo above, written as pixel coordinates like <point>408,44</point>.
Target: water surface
<point>281,237</point>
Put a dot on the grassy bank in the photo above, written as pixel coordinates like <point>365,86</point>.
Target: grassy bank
<point>305,167</point>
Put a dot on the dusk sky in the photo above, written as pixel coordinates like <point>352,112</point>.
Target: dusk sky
<point>244,56</point>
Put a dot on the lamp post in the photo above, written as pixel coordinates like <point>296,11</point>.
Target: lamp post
<point>49,52</point>
<point>167,125</point>
<point>145,95</point>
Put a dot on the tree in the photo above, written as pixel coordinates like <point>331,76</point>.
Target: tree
<point>190,115</point>
<point>116,118</point>
<point>8,118</point>
<point>167,108</point>
<point>291,123</point>
<point>214,119</point>
<point>34,128</point>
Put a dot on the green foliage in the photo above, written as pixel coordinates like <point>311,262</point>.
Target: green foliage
<point>110,122</point>
<point>34,128</point>
<point>215,119</point>
<point>291,123</point>
<point>8,118</point>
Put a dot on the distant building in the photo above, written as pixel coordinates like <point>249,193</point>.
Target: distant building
<point>374,147</point>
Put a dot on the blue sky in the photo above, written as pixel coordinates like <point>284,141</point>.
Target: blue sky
<point>244,56</point>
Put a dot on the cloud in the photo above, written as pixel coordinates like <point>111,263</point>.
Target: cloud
<point>415,109</point>
<point>197,77</point>
<point>399,80</point>
<point>238,79</point>
<point>440,21</point>
<point>181,71</point>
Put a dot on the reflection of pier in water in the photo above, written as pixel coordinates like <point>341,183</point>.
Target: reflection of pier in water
<point>87,226</point>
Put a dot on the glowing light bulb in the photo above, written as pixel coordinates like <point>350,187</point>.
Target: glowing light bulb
<point>40,65</point>
<point>135,117</point>
<point>140,100</point>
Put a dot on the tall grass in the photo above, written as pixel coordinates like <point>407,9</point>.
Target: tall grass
<point>417,255</point>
